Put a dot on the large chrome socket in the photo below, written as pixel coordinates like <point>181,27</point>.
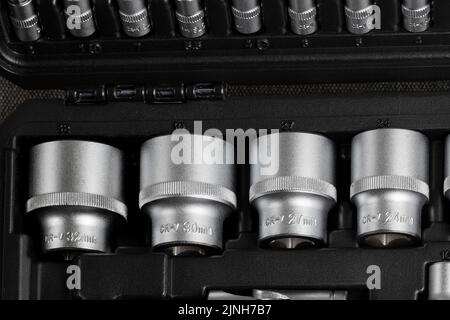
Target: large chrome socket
<point>76,195</point>
<point>293,202</point>
<point>439,281</point>
<point>187,199</point>
<point>389,185</point>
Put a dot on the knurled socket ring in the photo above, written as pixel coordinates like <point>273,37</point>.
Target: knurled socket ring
<point>246,15</point>
<point>78,199</point>
<point>292,184</point>
<point>360,14</point>
<point>304,16</point>
<point>134,18</point>
<point>25,24</point>
<point>198,17</point>
<point>83,18</point>
<point>187,189</point>
<point>389,182</point>
<point>420,13</point>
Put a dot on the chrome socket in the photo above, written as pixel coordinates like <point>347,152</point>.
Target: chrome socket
<point>80,18</point>
<point>187,201</point>
<point>135,17</point>
<point>389,185</point>
<point>360,16</point>
<point>191,18</point>
<point>439,281</point>
<point>24,20</point>
<point>303,16</point>
<point>416,15</point>
<point>293,203</point>
<point>247,16</point>
<point>76,195</point>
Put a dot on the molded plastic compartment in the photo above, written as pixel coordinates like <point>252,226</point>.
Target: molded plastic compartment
<point>134,271</point>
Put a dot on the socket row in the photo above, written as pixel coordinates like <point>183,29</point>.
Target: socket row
<point>362,16</point>
<point>188,187</point>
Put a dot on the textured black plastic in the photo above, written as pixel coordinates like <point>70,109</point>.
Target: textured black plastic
<point>275,16</point>
<point>52,19</point>
<point>439,9</point>
<point>107,18</point>
<point>163,17</point>
<point>219,17</point>
<point>331,15</point>
<point>391,18</point>
<point>133,271</point>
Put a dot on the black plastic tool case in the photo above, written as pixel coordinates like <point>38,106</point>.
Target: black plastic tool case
<point>123,91</point>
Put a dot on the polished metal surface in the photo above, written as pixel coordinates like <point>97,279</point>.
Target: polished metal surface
<point>247,16</point>
<point>24,20</point>
<point>300,295</point>
<point>187,201</point>
<point>185,250</point>
<point>76,194</point>
<point>223,295</point>
<point>281,295</point>
<point>80,18</point>
<point>291,243</point>
<point>439,281</point>
<point>293,202</point>
<point>359,15</point>
<point>135,17</point>
<point>447,168</point>
<point>416,15</point>
<point>191,18</point>
<point>303,15</point>
<point>67,229</point>
<point>389,185</point>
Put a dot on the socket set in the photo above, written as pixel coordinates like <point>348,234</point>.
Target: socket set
<point>106,192</point>
<point>321,40</point>
<point>185,160</point>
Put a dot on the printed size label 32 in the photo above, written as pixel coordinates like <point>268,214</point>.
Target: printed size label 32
<point>70,237</point>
